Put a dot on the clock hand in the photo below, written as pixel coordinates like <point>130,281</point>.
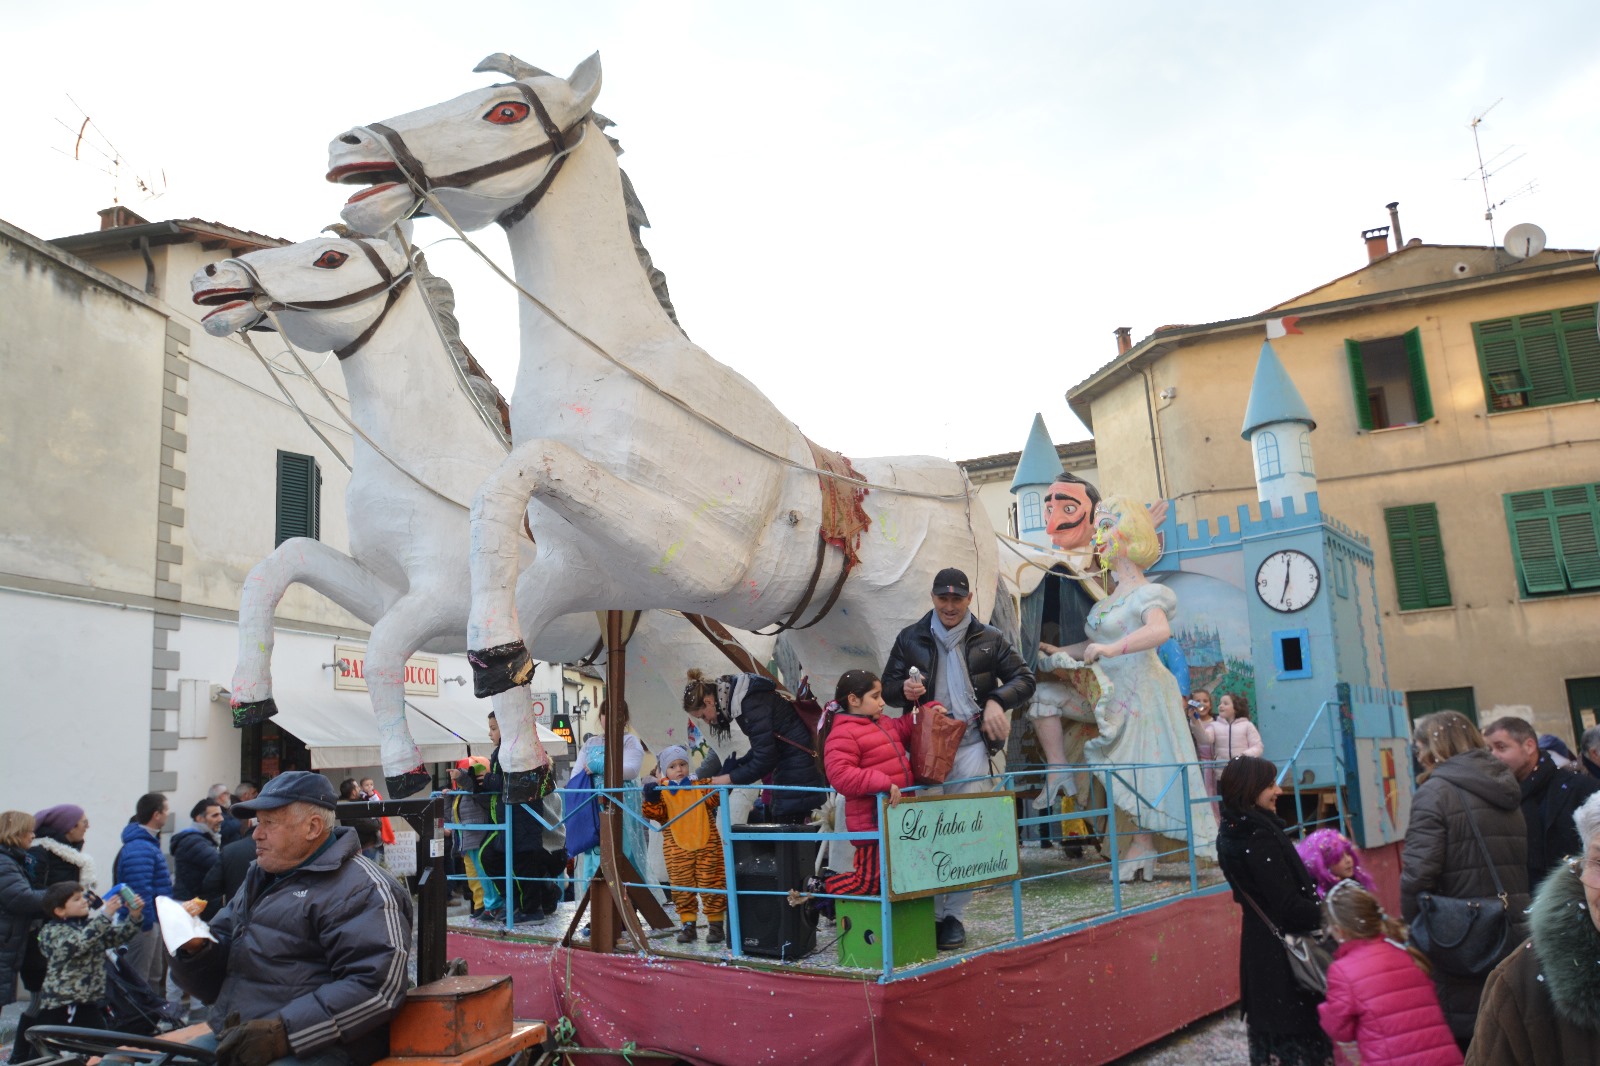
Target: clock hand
<point>1283,596</point>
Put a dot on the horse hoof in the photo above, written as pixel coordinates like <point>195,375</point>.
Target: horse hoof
<point>402,785</point>
<point>253,713</point>
<point>500,668</point>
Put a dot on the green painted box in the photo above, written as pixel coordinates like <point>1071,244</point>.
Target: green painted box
<point>861,944</point>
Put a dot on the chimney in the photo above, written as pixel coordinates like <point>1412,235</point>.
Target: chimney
<point>1124,339</point>
<point>117,216</point>
<point>1394,225</point>
<point>1377,243</point>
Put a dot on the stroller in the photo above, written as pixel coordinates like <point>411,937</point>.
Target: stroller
<point>134,1007</point>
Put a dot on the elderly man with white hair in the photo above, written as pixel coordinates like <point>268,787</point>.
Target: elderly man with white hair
<point>309,962</point>
<point>1542,1004</point>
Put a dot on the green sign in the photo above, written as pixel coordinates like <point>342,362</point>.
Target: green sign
<point>947,843</point>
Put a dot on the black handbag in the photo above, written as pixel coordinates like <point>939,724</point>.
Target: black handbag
<point>1308,958</point>
<point>1464,937</point>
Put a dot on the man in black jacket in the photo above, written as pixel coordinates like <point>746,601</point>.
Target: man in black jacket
<point>1550,795</point>
<point>973,670</point>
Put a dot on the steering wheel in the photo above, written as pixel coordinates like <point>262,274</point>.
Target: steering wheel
<point>70,1040</point>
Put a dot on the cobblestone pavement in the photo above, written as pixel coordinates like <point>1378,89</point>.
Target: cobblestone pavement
<point>1217,1040</point>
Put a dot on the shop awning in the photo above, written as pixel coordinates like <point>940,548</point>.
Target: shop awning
<point>340,731</point>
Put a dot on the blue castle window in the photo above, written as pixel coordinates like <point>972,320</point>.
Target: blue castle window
<point>1032,514</point>
<point>1268,464</point>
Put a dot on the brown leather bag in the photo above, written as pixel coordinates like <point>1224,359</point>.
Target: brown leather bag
<point>935,736</point>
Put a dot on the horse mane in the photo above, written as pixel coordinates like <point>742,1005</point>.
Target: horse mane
<point>442,297</point>
<point>638,221</point>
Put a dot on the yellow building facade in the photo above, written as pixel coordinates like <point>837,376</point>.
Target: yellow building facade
<point>1456,393</point>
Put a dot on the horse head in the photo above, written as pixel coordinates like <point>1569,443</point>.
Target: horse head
<point>481,153</point>
<point>328,292</point>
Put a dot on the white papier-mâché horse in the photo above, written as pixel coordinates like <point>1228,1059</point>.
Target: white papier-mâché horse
<point>690,488</point>
<point>421,451</point>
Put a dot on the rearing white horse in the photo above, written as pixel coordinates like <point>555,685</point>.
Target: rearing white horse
<point>419,453</point>
<point>689,488</point>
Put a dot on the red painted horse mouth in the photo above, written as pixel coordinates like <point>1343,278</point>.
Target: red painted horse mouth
<point>368,173</point>
<point>222,299</point>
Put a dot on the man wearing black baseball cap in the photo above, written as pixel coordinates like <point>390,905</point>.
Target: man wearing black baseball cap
<point>310,955</point>
<point>973,670</point>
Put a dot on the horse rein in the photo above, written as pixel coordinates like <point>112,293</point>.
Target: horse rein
<point>557,145</point>
<point>392,283</point>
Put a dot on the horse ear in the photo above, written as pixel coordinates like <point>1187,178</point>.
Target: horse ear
<point>504,63</point>
<point>585,82</point>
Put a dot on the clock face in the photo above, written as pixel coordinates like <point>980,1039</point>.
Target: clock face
<point>1288,580</point>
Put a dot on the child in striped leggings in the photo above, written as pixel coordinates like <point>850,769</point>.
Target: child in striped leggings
<point>692,845</point>
<point>865,754</point>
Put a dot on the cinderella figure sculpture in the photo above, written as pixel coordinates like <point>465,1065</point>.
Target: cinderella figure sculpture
<point>1139,713</point>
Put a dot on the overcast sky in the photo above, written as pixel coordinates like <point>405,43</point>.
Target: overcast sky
<point>912,224</point>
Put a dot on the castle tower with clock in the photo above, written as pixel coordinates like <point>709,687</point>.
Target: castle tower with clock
<point>1314,652</point>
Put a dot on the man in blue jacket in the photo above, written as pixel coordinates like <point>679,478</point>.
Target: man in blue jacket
<point>141,866</point>
<point>310,956</point>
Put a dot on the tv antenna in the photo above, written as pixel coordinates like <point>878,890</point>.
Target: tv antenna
<point>1499,163</point>
<point>91,147</point>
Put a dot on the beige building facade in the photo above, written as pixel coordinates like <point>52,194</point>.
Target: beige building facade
<point>1456,393</point>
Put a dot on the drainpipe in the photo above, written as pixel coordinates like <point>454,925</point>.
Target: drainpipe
<point>1155,434</point>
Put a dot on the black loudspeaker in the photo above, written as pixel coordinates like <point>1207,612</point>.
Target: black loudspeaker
<point>768,925</point>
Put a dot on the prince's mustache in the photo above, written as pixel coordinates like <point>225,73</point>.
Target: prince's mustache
<point>1065,525</point>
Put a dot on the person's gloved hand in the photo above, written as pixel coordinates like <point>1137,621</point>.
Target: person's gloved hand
<point>652,792</point>
<point>253,1043</point>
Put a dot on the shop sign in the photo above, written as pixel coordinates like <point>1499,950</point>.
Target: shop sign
<point>943,843</point>
<point>350,671</point>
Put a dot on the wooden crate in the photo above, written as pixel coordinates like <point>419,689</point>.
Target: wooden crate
<point>451,1016</point>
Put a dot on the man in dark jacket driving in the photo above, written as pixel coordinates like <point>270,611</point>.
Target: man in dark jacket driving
<point>973,670</point>
<point>309,961</point>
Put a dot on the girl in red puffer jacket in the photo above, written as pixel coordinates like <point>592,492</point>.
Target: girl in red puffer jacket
<point>864,754</point>
<point>1379,991</point>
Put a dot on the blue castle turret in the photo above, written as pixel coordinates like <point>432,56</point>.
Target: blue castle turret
<point>1037,469</point>
<point>1278,425</point>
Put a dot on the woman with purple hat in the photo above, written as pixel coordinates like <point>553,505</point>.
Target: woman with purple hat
<point>58,846</point>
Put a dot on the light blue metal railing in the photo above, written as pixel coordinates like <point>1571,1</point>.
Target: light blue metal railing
<point>1115,782</point>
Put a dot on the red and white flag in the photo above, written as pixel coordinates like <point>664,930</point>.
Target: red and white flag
<point>1282,327</point>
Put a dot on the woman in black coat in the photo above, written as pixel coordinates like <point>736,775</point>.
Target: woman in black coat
<point>21,898</point>
<point>780,743</point>
<point>1463,783</point>
<point>1259,860</point>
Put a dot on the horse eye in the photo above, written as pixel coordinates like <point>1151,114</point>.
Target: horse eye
<point>330,259</point>
<point>506,114</point>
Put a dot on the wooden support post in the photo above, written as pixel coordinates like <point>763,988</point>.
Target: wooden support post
<point>612,906</point>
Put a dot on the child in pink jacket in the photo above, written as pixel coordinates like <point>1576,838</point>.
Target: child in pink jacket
<point>1232,733</point>
<point>1379,993</point>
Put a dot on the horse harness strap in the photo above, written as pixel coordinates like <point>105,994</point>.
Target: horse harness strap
<point>811,590</point>
<point>556,144</point>
<point>395,286</point>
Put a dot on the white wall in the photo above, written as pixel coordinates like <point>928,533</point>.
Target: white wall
<point>75,711</point>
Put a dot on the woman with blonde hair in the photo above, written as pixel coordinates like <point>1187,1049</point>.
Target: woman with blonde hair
<point>21,899</point>
<point>1465,794</point>
<point>1140,713</point>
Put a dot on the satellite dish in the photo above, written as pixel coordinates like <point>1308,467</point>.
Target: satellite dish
<point>1524,241</point>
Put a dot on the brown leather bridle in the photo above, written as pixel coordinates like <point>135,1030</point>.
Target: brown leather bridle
<point>394,283</point>
<point>557,145</point>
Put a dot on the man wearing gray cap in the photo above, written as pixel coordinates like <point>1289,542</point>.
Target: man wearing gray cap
<point>309,962</point>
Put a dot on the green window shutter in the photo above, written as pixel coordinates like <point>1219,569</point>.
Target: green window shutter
<point>1578,539</point>
<point>1403,551</point>
<point>1358,382</point>
<point>1417,551</point>
<point>1419,376</point>
<point>1583,351</point>
<point>1533,542</point>
<point>1547,371</point>
<point>299,497</point>
<point>1430,554</point>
